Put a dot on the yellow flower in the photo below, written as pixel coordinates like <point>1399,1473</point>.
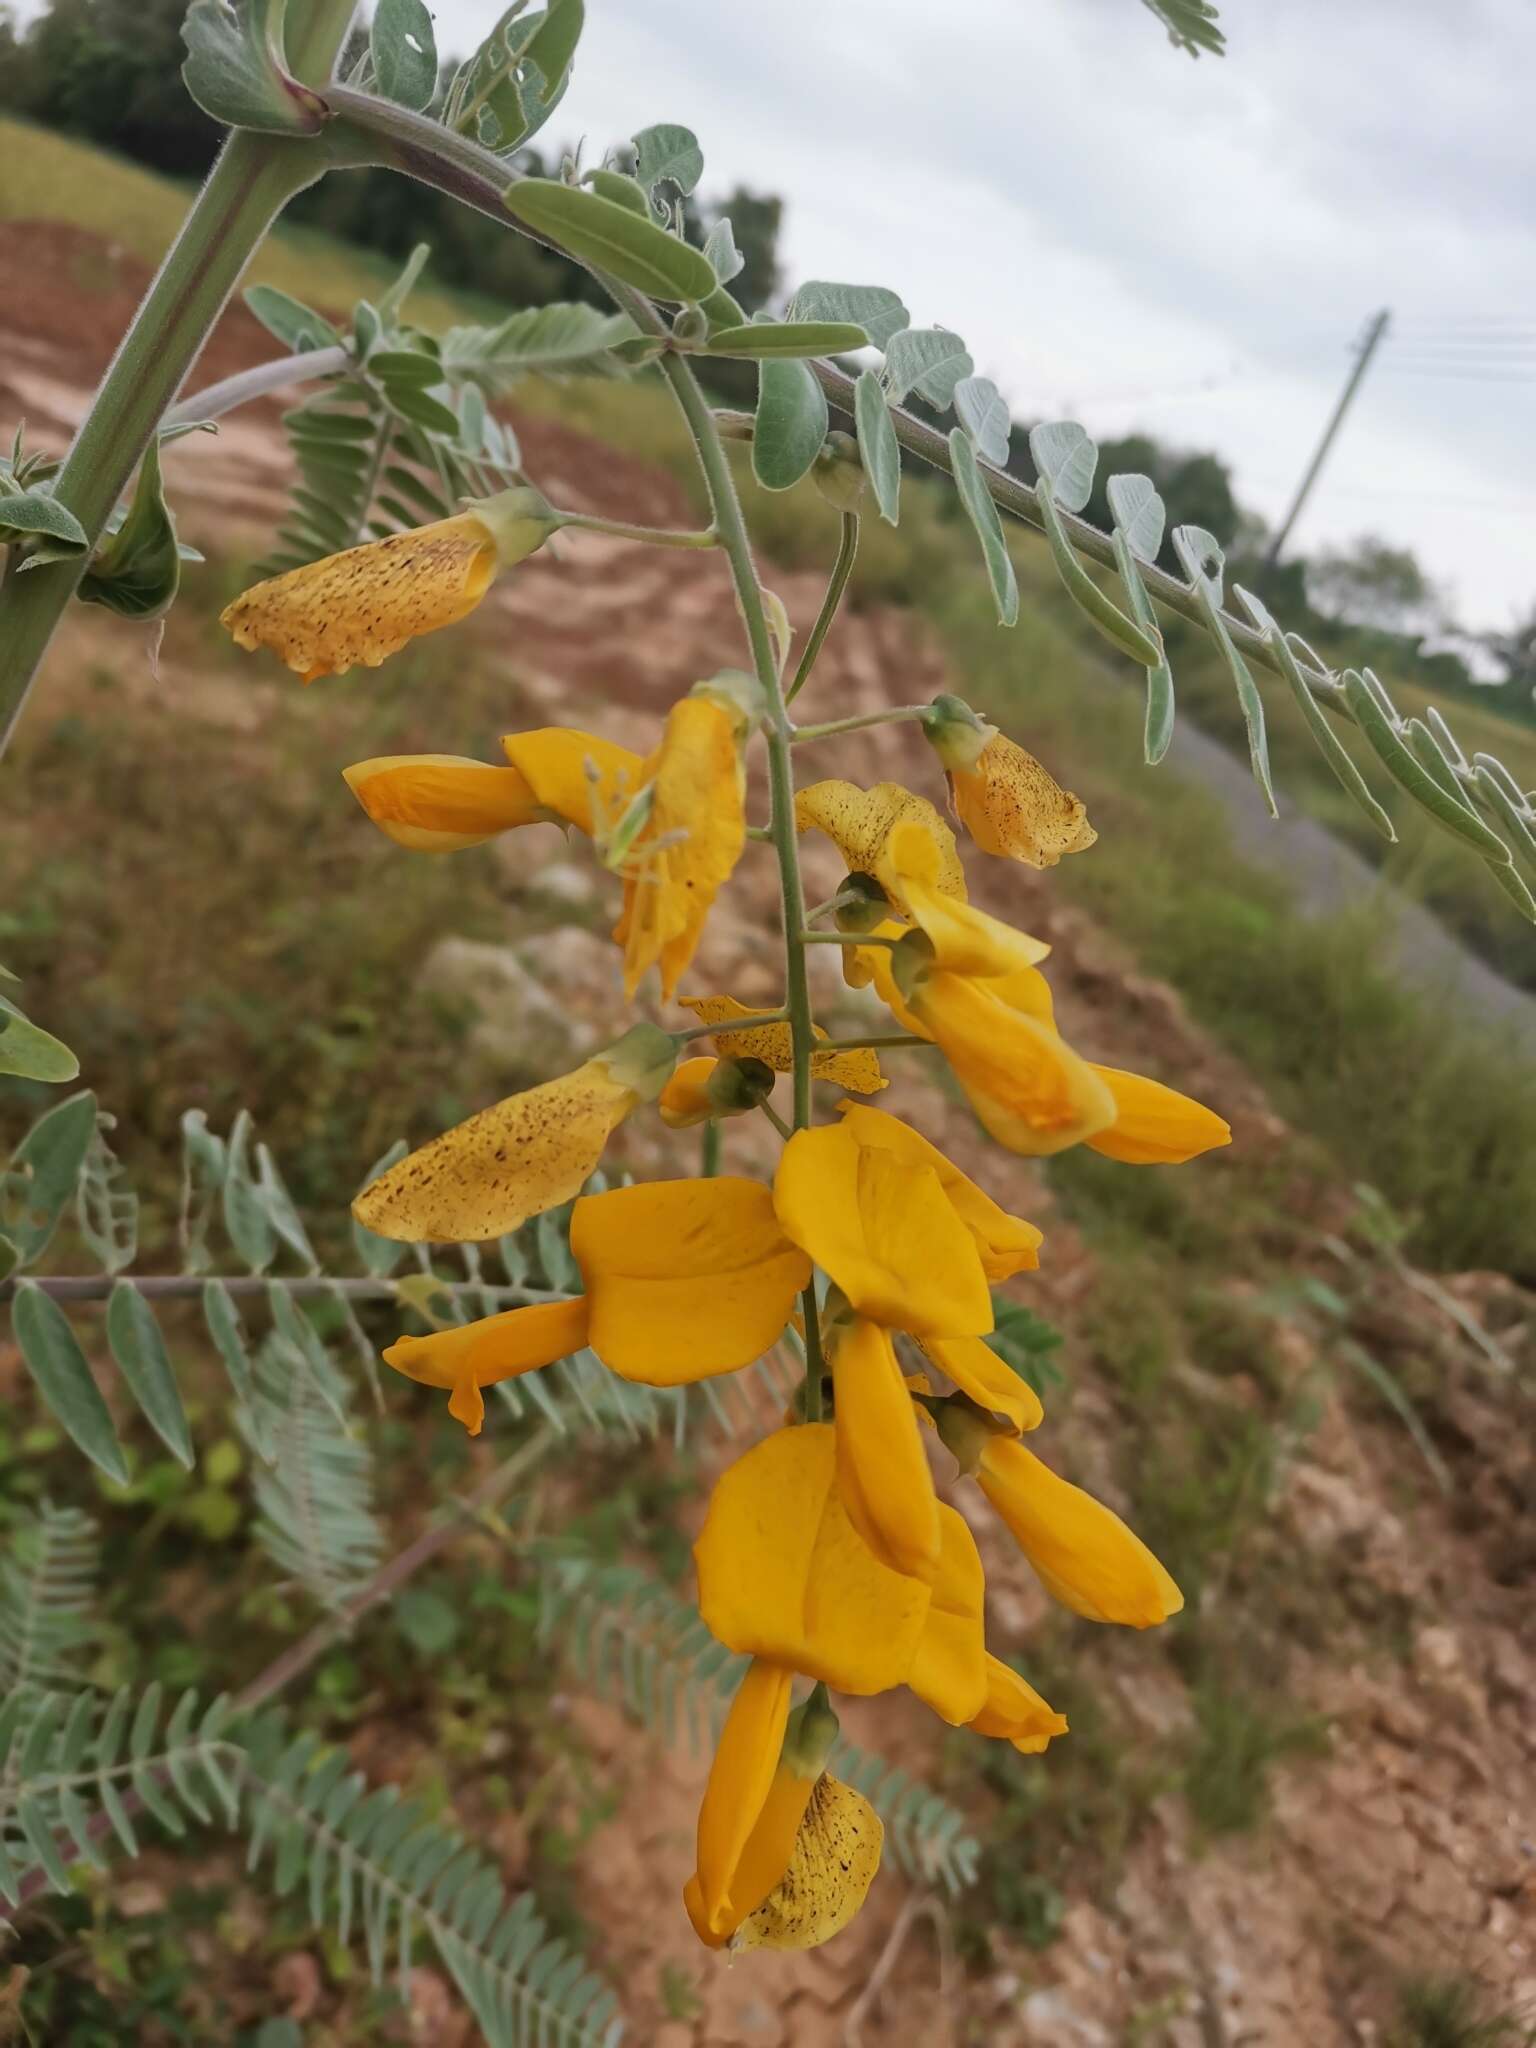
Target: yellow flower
<point>1009,804</point>
<point>437,803</point>
<point>1084,1554</point>
<point>885,1231</point>
<point>860,823</point>
<point>949,1670</point>
<point>685,1278</point>
<point>786,1853</point>
<point>785,1575</point>
<point>705,1088</point>
<point>577,776</point>
<point>773,1044</point>
<point>979,1373</point>
<point>523,1155</point>
<point>883,1478</point>
<point>964,940</point>
<point>689,843</point>
<point>1014,1712</point>
<point>1007,1244</point>
<point>1154,1125</point>
<point>365,604</point>
<point>476,1355</point>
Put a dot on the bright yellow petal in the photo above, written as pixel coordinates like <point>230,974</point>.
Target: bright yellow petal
<point>685,1278</point>
<point>491,1173</point>
<point>783,1573</point>
<point>965,940</point>
<point>1154,1125</point>
<point>886,1232</point>
<point>1015,1712</point>
<point>365,604</point>
<point>475,1355</point>
<point>836,1854</point>
<point>1013,807</point>
<point>1007,1244</point>
<point>774,1045</point>
<point>570,772</point>
<point>1085,1555</point>
<point>690,842</point>
<point>882,1468</point>
<point>861,821</point>
<point>949,1671</point>
<point>740,1781</point>
<point>1033,1094</point>
<point>977,1370</point>
<point>437,803</point>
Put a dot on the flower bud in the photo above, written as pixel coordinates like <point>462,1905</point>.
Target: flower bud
<point>519,521</point>
<point>691,327</point>
<point>838,474</point>
<point>964,1430</point>
<point>811,1733</point>
<point>957,734</point>
<point>871,909</point>
<point>643,1060</point>
<point>704,1088</point>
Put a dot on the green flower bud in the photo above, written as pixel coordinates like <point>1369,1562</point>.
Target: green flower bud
<point>872,908</point>
<point>957,734</point>
<point>965,1430</point>
<point>810,1735</point>
<point>736,1086</point>
<point>838,474</point>
<point>911,958</point>
<point>643,1059</point>
<point>519,521</point>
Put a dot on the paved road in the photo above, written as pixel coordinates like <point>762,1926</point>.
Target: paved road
<point>1327,874</point>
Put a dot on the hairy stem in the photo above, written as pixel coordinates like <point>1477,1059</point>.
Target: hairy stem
<point>214,400</point>
<point>842,569</point>
<point>831,726</point>
<point>657,536</point>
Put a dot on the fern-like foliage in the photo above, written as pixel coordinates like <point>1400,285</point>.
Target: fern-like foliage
<point>314,1486</point>
<point>76,1774</point>
<point>403,432</point>
<point>1191,25</point>
<point>47,1599</point>
<point>632,1640</point>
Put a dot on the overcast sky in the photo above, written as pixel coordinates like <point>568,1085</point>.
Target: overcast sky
<point>1133,239</point>
<point>1130,238</point>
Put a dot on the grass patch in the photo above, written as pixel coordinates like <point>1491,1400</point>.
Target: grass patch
<point>1239,1737</point>
<point>1455,2012</point>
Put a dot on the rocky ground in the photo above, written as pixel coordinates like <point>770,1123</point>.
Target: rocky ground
<point>1410,1842</point>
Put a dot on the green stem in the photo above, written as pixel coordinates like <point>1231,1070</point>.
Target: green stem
<point>624,529</point>
<point>732,528</point>
<point>842,569</point>
<point>253,179</point>
<point>840,901</point>
<point>836,725</point>
<point>776,1120</point>
<point>709,1150</point>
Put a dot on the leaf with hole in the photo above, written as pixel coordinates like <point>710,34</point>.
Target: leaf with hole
<point>612,239</point>
<point>791,424</point>
<point>53,1357</point>
<point>404,52</point>
<point>667,154</point>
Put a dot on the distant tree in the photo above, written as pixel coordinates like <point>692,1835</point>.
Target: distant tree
<point>756,218</point>
<point>1372,583</point>
<point>1515,653</point>
<point>111,70</point>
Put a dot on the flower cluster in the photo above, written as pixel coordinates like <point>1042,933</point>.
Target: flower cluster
<point>826,1553</point>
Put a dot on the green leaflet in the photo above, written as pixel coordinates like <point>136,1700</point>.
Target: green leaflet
<point>1379,726</point>
<point>612,239</point>
<point>24,513</point>
<point>237,72</point>
<point>977,500</point>
<point>404,52</point>
<point>40,1180</point>
<point>139,1349</point>
<point>667,154</point>
<point>1065,457</point>
<point>136,571</point>
<point>983,412</point>
<point>871,306</point>
<point>791,424</point>
<point>1141,643</point>
<point>30,1052</point>
<point>297,326</point>
<point>517,77</point>
<point>928,360</point>
<point>1204,564</point>
<point>785,338</point>
<point>879,449</point>
<point>57,1364</point>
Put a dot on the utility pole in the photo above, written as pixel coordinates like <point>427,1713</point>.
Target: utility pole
<point>1367,349</point>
